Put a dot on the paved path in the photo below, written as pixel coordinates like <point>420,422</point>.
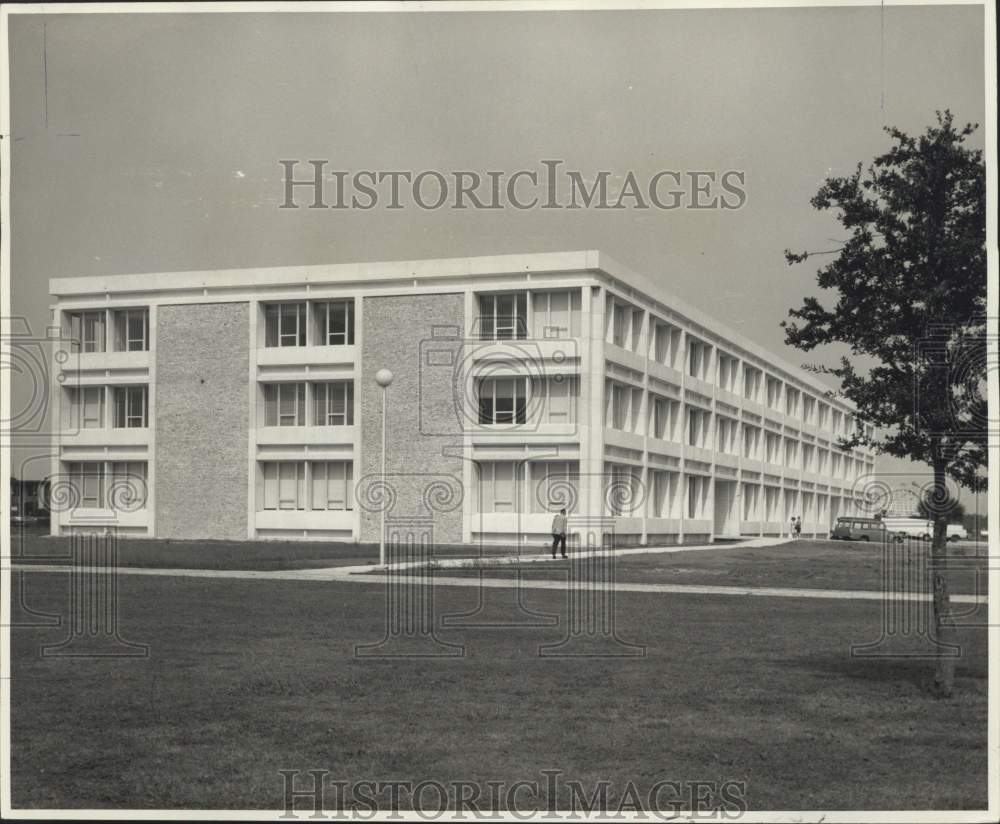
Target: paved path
<point>365,576</point>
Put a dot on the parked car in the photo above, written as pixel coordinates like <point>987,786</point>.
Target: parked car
<point>859,529</point>
<point>957,532</point>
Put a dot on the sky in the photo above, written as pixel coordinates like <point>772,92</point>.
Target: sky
<point>150,143</point>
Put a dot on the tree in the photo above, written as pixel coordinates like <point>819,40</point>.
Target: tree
<point>952,509</point>
<point>911,284</point>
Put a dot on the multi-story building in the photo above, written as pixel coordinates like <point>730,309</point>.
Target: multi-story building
<point>242,404</point>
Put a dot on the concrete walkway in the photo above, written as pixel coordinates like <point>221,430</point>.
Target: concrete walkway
<point>375,576</point>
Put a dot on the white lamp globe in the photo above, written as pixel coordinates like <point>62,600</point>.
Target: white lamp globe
<point>383,377</point>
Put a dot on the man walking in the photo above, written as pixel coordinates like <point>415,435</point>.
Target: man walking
<point>559,533</point>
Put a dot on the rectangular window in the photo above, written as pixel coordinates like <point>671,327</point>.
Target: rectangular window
<point>664,414</point>
<point>624,493</point>
<point>728,369</point>
<point>751,441</point>
<point>791,452</point>
<point>557,398</point>
<point>726,434</point>
<point>808,408</point>
<point>619,324</point>
<point>699,421</point>
<point>332,485</point>
<point>284,485</point>
<point>88,407</point>
<point>666,342</point>
<point>89,329</point>
<point>556,314</point>
<point>503,400</point>
<point>334,403</point>
<point>697,488</point>
<point>500,485</point>
<point>791,401</point>
<point>127,485</point>
<point>616,414</point>
<point>131,330</point>
<point>774,393</point>
<point>751,493</point>
<point>663,493</point>
<point>772,447</point>
<point>555,485</point>
<point>284,404</point>
<point>87,480</point>
<point>751,383</point>
<point>285,324</point>
<point>334,323</point>
<point>131,404</point>
<point>504,316</point>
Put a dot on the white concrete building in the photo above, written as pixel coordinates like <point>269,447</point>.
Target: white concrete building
<point>241,404</point>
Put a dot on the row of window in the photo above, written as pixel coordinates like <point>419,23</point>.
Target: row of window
<point>309,323</point>
<point>129,329</point>
<point>306,485</point>
<point>104,485</point>
<point>288,404</point>
<point>86,407</point>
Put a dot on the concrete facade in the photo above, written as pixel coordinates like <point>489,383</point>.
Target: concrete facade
<point>201,419</point>
<point>522,383</point>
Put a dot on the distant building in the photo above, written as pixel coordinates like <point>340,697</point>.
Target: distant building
<point>242,404</point>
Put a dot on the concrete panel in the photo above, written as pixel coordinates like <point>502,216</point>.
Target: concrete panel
<point>392,329</point>
<point>202,420</point>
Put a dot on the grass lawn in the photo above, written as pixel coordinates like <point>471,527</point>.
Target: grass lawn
<point>801,564</point>
<point>245,678</point>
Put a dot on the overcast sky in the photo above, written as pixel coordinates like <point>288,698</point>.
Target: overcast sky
<point>164,133</point>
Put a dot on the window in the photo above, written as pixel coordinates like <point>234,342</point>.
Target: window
<point>751,495</point>
<point>624,492</point>
<point>726,434</point>
<point>284,485</point>
<point>556,314</point>
<point>791,452</point>
<point>556,486</point>
<point>87,481</point>
<point>698,357</point>
<point>284,404</point>
<point>772,447</point>
<point>334,403</point>
<point>697,497</point>
<point>728,370</point>
<point>500,486</point>
<point>666,342</point>
<point>791,401</point>
<point>332,485</point>
<point>89,329</point>
<point>503,400</point>
<point>285,324</point>
<point>751,383</point>
<point>808,453</point>
<point>334,323</point>
<point>772,501</point>
<point>698,424</point>
<point>774,393</point>
<point>503,317</point>
<point>822,412</point>
<point>127,485</point>
<point>808,408</point>
<point>664,414</point>
<point>130,407</point>
<point>87,405</point>
<point>663,493</point>
<point>131,330</point>
<point>619,324</point>
<point>557,396</point>
<point>751,441</point>
<point>619,411</point>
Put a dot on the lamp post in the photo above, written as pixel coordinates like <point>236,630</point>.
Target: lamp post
<point>383,378</point>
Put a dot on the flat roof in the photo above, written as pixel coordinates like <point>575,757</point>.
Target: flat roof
<point>437,269</point>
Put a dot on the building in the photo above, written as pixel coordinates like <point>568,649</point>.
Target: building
<point>242,404</point>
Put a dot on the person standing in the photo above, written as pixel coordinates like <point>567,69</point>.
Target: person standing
<point>798,527</point>
<point>559,533</point>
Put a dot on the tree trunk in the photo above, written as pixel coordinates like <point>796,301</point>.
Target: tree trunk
<point>944,629</point>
